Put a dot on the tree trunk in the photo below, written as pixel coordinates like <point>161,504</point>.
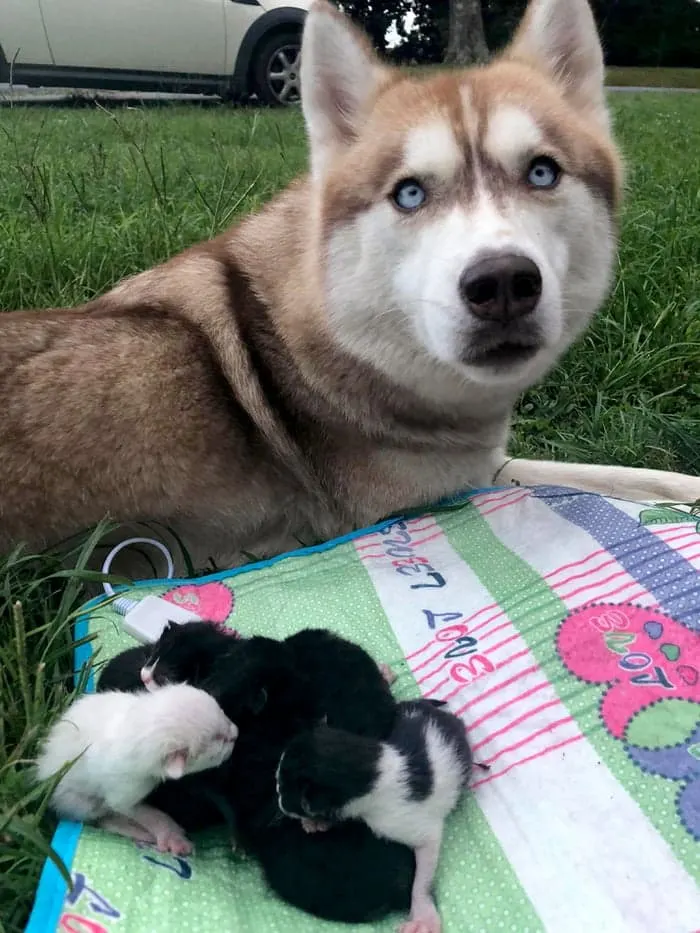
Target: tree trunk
<point>467,43</point>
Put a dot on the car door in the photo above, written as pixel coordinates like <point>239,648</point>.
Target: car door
<point>22,35</point>
<point>162,36</point>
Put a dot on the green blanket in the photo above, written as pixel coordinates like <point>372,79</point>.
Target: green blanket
<point>564,628</point>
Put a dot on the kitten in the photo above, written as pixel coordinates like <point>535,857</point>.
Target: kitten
<point>403,788</point>
<point>275,690</point>
<point>122,746</point>
<point>320,674</point>
<point>185,653</point>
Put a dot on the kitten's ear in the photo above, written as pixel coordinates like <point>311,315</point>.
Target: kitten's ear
<point>257,701</point>
<point>339,74</point>
<point>166,630</point>
<point>175,764</point>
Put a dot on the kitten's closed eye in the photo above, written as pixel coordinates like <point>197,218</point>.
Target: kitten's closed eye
<point>296,795</point>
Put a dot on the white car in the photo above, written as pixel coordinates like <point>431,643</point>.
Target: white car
<point>235,48</point>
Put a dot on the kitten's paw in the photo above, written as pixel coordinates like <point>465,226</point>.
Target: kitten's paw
<point>173,842</point>
<point>314,826</point>
<point>431,925</point>
<point>425,919</point>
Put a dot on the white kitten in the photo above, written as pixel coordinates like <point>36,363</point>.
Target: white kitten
<point>127,743</point>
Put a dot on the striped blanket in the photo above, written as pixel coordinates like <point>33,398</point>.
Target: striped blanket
<point>564,628</point>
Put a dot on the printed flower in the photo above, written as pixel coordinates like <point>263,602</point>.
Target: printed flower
<point>213,602</point>
<point>667,516</point>
<point>665,721</point>
<point>640,653</point>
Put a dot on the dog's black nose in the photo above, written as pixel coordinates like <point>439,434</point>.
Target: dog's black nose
<point>501,288</point>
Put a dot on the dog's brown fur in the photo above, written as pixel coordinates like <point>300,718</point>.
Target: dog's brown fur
<point>209,393</point>
<point>214,400</point>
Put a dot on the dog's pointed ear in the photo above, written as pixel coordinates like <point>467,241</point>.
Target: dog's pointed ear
<point>560,38</point>
<point>339,75</point>
<point>174,764</point>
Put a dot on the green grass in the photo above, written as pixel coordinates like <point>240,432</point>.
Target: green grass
<point>682,78</point>
<point>87,197</point>
<point>653,77</point>
<point>39,601</point>
<point>629,392</point>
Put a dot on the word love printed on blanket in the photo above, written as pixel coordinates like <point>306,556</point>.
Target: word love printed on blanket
<point>564,628</point>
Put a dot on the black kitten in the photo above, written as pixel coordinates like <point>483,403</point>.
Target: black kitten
<point>403,788</point>
<point>275,690</point>
<point>123,671</point>
<point>348,875</point>
<point>185,653</point>
<point>349,689</point>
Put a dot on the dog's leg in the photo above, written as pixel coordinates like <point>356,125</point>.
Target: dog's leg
<point>622,482</point>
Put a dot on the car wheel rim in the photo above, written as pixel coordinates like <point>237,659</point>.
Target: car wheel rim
<point>283,74</point>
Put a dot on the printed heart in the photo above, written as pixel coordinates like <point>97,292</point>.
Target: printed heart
<point>687,674</point>
<point>211,601</point>
<point>654,629</point>
<point>694,750</point>
<point>618,641</point>
<point>672,652</point>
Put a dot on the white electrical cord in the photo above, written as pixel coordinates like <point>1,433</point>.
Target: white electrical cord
<point>121,604</point>
<point>145,619</point>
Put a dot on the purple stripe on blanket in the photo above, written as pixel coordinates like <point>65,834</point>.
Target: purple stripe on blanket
<point>665,573</point>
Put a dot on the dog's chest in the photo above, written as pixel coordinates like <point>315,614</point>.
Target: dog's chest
<point>358,486</point>
<point>375,483</point>
<point>363,486</point>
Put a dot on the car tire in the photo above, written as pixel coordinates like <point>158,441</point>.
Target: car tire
<point>276,69</point>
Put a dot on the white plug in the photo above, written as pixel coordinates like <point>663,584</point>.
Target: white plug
<point>147,619</point>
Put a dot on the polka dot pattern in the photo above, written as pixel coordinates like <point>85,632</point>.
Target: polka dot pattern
<point>477,889</point>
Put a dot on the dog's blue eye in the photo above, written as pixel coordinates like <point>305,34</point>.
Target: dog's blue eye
<point>409,195</point>
<point>543,173</point>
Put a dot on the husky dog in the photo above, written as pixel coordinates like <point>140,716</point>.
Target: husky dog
<point>357,346</point>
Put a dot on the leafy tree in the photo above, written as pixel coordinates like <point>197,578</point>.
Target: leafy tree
<point>650,33</point>
<point>467,43</point>
<point>635,32</point>
<point>377,16</point>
